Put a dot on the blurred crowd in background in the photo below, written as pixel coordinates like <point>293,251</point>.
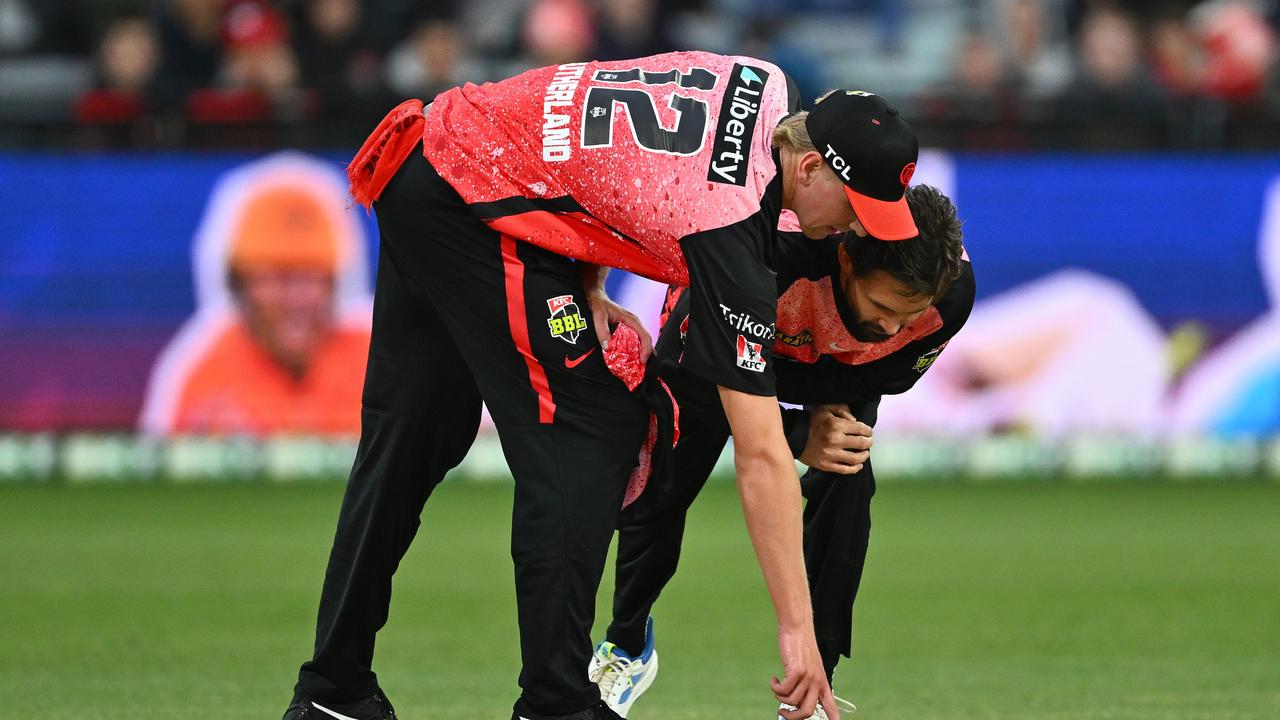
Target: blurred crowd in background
<point>985,74</point>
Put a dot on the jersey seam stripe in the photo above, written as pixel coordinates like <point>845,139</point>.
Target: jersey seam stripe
<point>513,273</point>
<point>518,205</point>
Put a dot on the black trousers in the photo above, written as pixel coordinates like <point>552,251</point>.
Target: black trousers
<point>462,314</point>
<point>837,529</point>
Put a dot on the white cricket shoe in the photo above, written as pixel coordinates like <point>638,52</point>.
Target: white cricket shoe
<point>846,709</point>
<point>623,679</point>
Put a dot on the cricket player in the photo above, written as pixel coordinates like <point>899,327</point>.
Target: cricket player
<point>499,207</point>
<point>858,318</point>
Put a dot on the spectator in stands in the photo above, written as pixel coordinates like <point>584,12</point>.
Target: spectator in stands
<point>983,87</point>
<point>124,70</point>
<point>979,100</point>
<point>1113,101</point>
<point>128,56</point>
<point>281,335</point>
<point>1034,45</point>
<point>558,31</point>
<point>1174,56</point>
<point>190,47</point>
<point>337,58</point>
<point>1238,46</point>
<point>257,54</point>
<point>629,29</point>
<point>433,59</point>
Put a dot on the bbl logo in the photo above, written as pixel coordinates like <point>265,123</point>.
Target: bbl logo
<point>926,360</point>
<point>565,321</point>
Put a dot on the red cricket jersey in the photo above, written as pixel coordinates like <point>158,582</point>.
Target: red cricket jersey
<point>614,162</point>
<point>662,166</point>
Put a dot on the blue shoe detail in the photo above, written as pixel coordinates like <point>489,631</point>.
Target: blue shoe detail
<point>622,677</point>
<point>648,641</point>
<point>635,682</point>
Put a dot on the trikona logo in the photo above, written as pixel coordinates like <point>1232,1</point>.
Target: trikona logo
<point>743,322</point>
<point>739,110</point>
<point>750,355</point>
<point>837,163</point>
<point>565,322</point>
<point>555,115</point>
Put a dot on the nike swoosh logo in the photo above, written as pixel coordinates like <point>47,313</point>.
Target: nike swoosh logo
<point>578,360</point>
<point>327,711</point>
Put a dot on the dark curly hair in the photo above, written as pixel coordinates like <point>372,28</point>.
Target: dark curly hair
<point>926,264</point>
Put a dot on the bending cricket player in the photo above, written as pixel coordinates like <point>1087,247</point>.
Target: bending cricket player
<point>858,318</point>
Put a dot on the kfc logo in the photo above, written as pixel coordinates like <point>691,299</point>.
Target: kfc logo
<point>750,355</point>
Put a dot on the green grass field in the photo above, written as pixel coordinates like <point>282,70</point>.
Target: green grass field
<point>1021,601</point>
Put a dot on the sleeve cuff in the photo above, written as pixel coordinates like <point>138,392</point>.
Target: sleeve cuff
<point>795,425</point>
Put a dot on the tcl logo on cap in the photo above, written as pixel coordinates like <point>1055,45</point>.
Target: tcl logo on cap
<point>839,164</point>
<point>750,356</point>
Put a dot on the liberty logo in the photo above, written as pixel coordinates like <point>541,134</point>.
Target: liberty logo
<point>739,110</point>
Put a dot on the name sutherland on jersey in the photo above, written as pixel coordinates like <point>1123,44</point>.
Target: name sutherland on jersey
<point>743,322</point>
<point>555,125</point>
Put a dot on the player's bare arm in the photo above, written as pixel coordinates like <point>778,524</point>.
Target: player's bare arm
<point>771,505</point>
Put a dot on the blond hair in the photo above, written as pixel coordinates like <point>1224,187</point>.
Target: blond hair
<point>791,132</point>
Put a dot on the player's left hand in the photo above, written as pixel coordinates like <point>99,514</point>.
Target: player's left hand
<point>837,442</point>
<point>605,312</point>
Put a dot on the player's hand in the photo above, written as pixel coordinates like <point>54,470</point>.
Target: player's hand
<point>837,442</point>
<point>605,312</point>
<point>804,684</point>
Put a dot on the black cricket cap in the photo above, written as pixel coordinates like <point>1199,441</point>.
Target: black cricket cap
<point>873,151</point>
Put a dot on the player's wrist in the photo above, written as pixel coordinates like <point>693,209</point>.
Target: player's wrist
<point>592,277</point>
<point>796,613</point>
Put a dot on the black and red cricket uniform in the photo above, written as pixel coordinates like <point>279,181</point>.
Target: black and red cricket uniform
<point>817,362</point>
<point>485,198</point>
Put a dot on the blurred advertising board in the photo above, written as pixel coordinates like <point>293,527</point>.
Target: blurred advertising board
<point>176,294</point>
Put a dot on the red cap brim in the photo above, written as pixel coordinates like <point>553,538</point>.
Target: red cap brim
<point>883,220</point>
